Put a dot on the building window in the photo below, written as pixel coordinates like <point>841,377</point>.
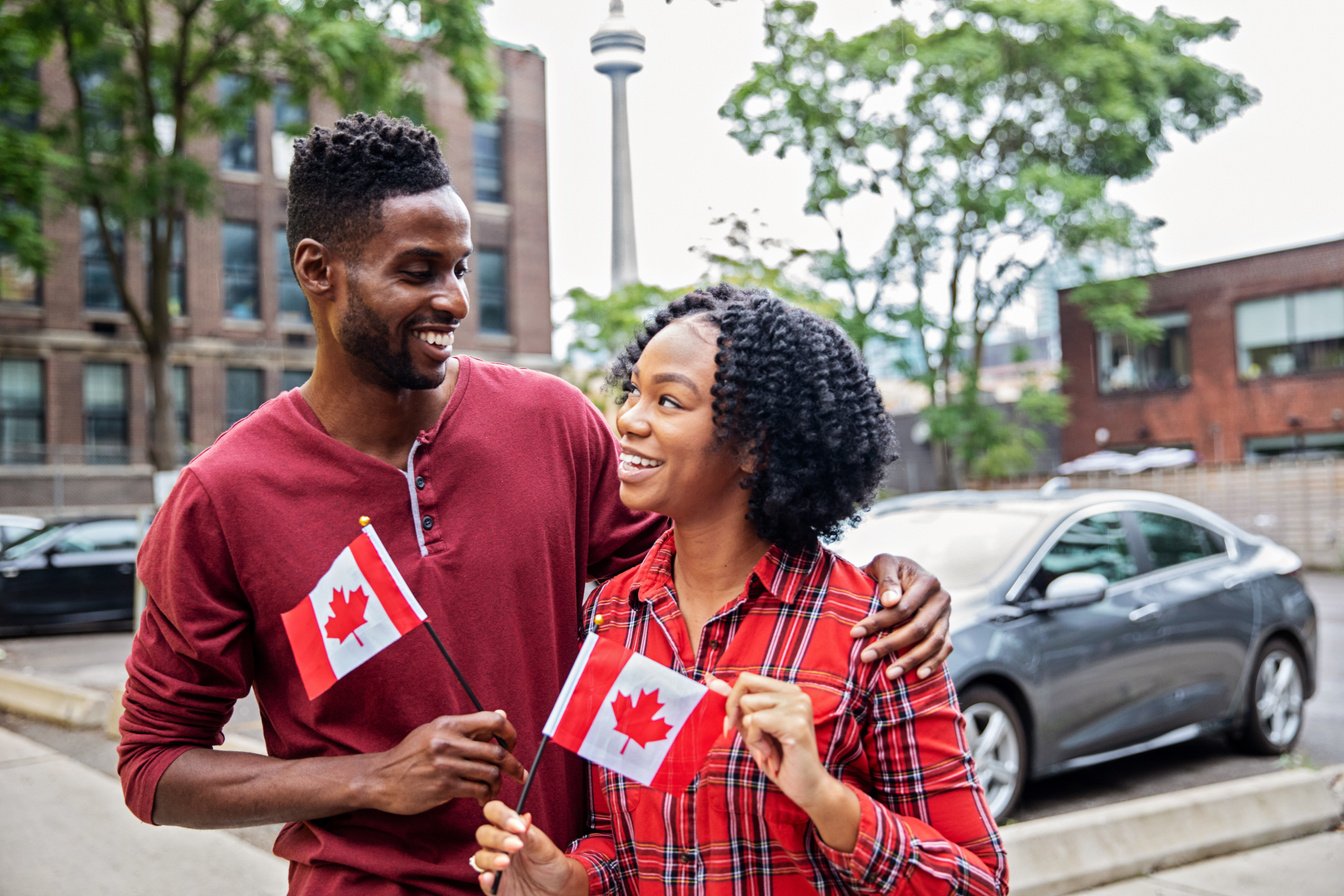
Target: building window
<point>105,414</point>
<point>177,270</point>
<point>179,384</point>
<point>293,306</point>
<point>291,118</point>
<point>237,145</point>
<point>491,293</point>
<point>100,289</point>
<point>1127,365</point>
<point>487,161</point>
<point>22,421</point>
<point>242,393</point>
<point>241,293</point>
<point>1290,334</point>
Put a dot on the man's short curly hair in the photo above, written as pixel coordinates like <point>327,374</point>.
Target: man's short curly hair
<point>792,390</point>
<point>340,177</point>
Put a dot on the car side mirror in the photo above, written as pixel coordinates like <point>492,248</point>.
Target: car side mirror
<point>1074,589</point>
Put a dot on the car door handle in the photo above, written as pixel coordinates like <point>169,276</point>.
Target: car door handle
<point>125,569</point>
<point>1146,611</point>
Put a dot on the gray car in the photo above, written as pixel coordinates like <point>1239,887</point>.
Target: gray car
<point>1093,625</point>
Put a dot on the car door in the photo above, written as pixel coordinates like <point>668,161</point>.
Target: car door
<point>1093,668</point>
<point>94,570</point>
<point>1204,607</point>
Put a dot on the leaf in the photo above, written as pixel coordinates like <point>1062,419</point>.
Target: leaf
<point>347,614</point>
<point>636,720</point>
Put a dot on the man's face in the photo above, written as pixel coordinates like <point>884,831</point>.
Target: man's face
<point>406,293</point>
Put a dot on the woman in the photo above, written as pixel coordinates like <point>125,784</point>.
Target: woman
<point>756,429</point>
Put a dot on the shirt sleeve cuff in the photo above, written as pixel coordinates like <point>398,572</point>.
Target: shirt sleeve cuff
<point>598,858</point>
<point>877,858</point>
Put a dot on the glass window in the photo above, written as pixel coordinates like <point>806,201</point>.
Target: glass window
<point>102,122</point>
<point>101,535</point>
<point>291,118</point>
<point>1125,365</point>
<point>100,290</point>
<point>179,383</point>
<point>1172,540</point>
<point>1096,544</point>
<point>177,270</point>
<point>22,419</point>
<point>237,146</point>
<point>491,292</point>
<point>293,306</point>
<point>242,393</point>
<point>241,299</point>
<point>487,161</point>
<point>105,414</point>
<point>293,379</point>
<point>1290,334</point>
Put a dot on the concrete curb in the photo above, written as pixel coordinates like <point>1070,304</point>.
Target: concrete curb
<point>1067,853</point>
<point>50,701</point>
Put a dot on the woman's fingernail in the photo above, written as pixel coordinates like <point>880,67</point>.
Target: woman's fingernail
<point>858,631</point>
<point>513,843</point>
<point>926,672</point>
<point>895,672</point>
<point>868,655</point>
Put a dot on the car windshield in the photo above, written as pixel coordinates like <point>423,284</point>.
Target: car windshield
<point>35,542</point>
<point>962,545</point>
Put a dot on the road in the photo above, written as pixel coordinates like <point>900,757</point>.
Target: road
<point>96,660</point>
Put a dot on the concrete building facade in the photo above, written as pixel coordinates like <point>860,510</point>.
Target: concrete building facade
<point>73,380</point>
<point>1250,364</point>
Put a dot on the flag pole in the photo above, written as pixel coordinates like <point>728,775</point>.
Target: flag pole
<point>522,798</point>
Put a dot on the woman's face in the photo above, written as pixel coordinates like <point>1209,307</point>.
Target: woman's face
<point>670,461</point>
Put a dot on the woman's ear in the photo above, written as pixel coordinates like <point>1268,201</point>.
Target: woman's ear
<point>747,459</point>
<point>314,266</point>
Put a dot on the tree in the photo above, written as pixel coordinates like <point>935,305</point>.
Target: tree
<point>987,139</point>
<point>143,76</point>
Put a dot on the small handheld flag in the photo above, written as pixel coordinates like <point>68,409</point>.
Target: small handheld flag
<point>627,713</point>
<point>358,608</point>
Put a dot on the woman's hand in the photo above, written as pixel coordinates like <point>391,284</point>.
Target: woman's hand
<point>775,721</point>
<point>535,864</point>
<point>916,617</point>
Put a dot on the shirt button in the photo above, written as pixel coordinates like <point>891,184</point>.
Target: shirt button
<point>427,521</point>
<point>686,858</point>
<point>714,644</point>
<point>419,482</point>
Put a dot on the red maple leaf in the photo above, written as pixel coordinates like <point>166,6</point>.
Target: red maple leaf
<point>636,719</point>
<point>347,614</point>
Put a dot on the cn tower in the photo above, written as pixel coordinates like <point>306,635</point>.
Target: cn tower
<point>617,50</point>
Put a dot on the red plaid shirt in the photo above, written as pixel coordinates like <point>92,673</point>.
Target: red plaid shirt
<point>924,826</point>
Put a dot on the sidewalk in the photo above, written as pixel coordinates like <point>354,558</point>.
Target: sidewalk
<point>64,826</point>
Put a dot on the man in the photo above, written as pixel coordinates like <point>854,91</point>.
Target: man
<point>494,492</point>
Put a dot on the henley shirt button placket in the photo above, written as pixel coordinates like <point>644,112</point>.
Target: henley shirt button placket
<point>427,522</point>
<point>420,484</point>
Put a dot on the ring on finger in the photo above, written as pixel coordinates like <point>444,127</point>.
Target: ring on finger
<point>471,860</point>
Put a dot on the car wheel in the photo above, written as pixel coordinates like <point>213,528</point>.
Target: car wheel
<point>1272,718</point>
<point>998,741</point>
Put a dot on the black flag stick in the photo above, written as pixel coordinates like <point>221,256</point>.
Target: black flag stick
<point>522,798</point>
<point>462,680</point>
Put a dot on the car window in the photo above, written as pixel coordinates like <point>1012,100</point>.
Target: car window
<point>1172,540</point>
<point>1096,544</point>
<point>102,535</point>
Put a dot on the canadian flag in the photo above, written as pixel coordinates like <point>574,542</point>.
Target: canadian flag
<point>625,712</point>
<point>360,606</point>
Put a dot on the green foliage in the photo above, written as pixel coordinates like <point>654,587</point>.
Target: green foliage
<point>990,136</point>
<point>603,325</point>
<point>145,80</point>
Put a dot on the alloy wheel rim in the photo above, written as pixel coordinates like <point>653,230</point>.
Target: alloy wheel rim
<point>1278,698</point>
<point>998,757</point>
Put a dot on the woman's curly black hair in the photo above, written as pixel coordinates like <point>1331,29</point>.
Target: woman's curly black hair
<point>792,390</point>
<point>340,177</point>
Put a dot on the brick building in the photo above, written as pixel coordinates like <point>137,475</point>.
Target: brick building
<point>73,382</point>
<point>1250,364</point>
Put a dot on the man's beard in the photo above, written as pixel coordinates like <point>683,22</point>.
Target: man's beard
<point>365,336</point>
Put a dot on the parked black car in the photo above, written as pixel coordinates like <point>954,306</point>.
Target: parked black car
<point>77,574</point>
<point>1093,625</point>
<point>15,526</point>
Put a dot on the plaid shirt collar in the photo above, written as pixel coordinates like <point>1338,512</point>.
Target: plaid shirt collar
<point>779,573</point>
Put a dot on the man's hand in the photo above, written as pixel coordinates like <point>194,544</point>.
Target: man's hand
<point>916,619</point>
<point>450,757</point>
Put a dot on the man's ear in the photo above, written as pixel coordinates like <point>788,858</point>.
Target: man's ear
<point>315,268</point>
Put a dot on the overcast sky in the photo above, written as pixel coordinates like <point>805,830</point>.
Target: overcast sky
<point>1271,178</point>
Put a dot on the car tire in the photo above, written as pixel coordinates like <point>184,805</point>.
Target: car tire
<point>998,742</point>
<point>1272,711</point>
